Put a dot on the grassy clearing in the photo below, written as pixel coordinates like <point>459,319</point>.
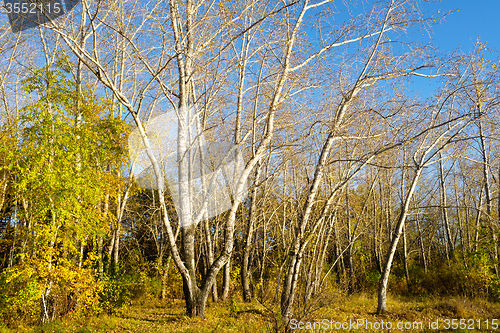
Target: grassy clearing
<point>149,315</point>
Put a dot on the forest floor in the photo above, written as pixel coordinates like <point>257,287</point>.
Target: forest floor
<point>149,315</point>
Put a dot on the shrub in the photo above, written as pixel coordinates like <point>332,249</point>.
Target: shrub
<point>115,293</point>
<point>29,287</point>
<point>472,277</point>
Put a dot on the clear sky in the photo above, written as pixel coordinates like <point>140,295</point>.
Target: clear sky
<point>474,18</point>
<point>459,30</point>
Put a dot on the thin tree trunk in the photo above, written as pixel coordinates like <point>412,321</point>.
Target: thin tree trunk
<point>463,239</point>
<point>487,193</point>
<point>226,281</point>
<point>210,256</point>
<point>384,279</point>
<point>111,248</point>
<point>100,256</point>
<point>247,247</point>
<point>313,260</point>
<point>164,282</point>
<point>116,249</point>
<point>444,205</point>
<point>421,242</point>
<point>478,219</point>
<point>405,260</point>
<point>349,250</point>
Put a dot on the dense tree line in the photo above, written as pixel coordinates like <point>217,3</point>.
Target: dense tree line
<point>351,181</point>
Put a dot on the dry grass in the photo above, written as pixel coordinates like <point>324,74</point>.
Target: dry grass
<point>149,315</point>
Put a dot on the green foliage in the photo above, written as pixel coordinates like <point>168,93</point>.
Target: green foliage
<point>115,293</point>
<point>233,307</point>
<point>19,294</point>
<point>471,277</point>
<point>71,291</point>
<point>64,162</point>
<point>173,284</point>
<point>373,279</point>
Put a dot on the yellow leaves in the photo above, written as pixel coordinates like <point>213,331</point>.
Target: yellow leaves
<point>19,293</point>
<point>14,273</point>
<point>63,168</point>
<point>22,286</point>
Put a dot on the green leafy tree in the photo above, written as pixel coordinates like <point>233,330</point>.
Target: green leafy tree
<point>64,172</point>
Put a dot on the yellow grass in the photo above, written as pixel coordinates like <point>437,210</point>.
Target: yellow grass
<point>150,315</point>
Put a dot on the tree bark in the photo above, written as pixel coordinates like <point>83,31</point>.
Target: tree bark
<point>421,242</point>
<point>247,247</point>
<point>487,191</point>
<point>226,281</point>
<point>444,204</point>
<point>384,279</point>
<point>349,250</point>
<point>405,260</point>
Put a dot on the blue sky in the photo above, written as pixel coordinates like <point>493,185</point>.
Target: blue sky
<point>473,19</point>
<point>459,30</point>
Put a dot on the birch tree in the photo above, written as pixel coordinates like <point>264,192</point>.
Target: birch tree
<point>448,122</point>
<point>379,65</point>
